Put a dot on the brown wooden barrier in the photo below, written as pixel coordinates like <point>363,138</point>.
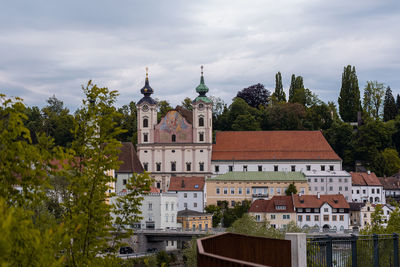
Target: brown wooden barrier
<point>230,249</point>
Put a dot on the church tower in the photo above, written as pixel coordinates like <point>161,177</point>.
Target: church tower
<point>202,114</point>
<point>147,114</point>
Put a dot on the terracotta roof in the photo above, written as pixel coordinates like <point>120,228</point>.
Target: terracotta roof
<point>154,190</point>
<point>312,201</point>
<point>262,205</point>
<point>390,183</point>
<point>186,184</point>
<point>129,158</point>
<point>272,145</point>
<point>364,179</point>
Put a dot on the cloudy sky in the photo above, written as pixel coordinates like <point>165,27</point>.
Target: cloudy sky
<point>50,47</point>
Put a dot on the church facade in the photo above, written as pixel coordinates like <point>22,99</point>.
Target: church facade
<point>178,145</point>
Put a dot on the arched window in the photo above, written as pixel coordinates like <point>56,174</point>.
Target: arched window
<point>145,123</point>
<point>201,121</point>
<point>173,138</point>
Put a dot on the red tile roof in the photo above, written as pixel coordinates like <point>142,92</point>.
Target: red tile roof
<point>272,145</point>
<point>262,205</point>
<point>364,179</point>
<point>312,201</point>
<point>390,183</point>
<point>186,184</point>
<point>129,158</point>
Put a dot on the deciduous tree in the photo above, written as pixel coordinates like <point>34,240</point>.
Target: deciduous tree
<point>255,95</point>
<point>279,95</point>
<point>373,96</point>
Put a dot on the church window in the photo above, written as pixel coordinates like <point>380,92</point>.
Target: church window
<point>173,166</point>
<point>201,137</point>
<point>201,121</point>
<point>145,123</point>
<point>188,166</point>
<point>201,165</point>
<point>146,166</point>
<point>173,138</point>
<point>145,137</point>
<point>158,166</point>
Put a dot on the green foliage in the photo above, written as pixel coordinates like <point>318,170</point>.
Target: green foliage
<point>349,99</point>
<point>217,213</point>
<point>190,253</point>
<point>388,162</point>
<point>285,116</point>
<point>163,107</point>
<point>94,151</point>
<point>389,106</point>
<point>127,121</point>
<point>291,189</point>
<point>247,225</point>
<point>340,137</point>
<point>373,94</point>
<point>279,95</point>
<point>319,117</point>
<point>187,103</point>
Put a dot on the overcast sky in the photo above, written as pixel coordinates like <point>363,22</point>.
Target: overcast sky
<point>52,47</point>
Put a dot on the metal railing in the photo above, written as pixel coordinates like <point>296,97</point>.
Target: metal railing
<point>352,251</point>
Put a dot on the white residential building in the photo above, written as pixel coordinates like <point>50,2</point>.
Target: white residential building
<point>191,192</point>
<point>329,182</point>
<point>287,151</point>
<point>322,212</point>
<point>366,187</point>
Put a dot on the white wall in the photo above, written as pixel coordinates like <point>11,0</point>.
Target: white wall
<point>327,182</point>
<point>364,194</point>
<point>190,200</point>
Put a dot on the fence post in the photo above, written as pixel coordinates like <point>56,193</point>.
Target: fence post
<point>298,244</point>
<point>396,249</point>
<point>353,250</point>
<point>376,250</point>
<point>329,251</point>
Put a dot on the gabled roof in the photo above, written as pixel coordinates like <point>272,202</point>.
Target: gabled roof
<point>312,201</point>
<point>186,184</point>
<point>356,206</point>
<point>272,145</point>
<point>189,213</point>
<point>262,205</point>
<point>260,176</point>
<point>390,183</point>
<point>129,158</point>
<point>187,114</point>
<point>364,179</point>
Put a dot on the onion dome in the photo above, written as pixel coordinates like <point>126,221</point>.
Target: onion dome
<point>147,91</point>
<point>202,89</point>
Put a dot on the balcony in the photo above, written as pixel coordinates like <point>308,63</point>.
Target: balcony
<point>230,249</point>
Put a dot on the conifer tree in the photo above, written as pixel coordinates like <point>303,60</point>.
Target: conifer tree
<point>292,88</point>
<point>279,95</point>
<point>389,106</point>
<point>398,104</point>
<point>349,99</point>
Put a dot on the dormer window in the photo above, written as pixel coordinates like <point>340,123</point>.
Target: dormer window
<point>145,123</point>
<point>173,138</point>
<point>201,121</point>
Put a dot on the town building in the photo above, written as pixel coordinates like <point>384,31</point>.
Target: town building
<point>391,187</point>
<point>285,151</point>
<point>329,182</point>
<point>130,164</point>
<point>366,187</point>
<point>322,212</point>
<point>194,220</point>
<point>180,144</point>
<point>190,192</point>
<point>236,187</point>
<point>278,211</point>
<point>361,214</point>
<point>158,210</point>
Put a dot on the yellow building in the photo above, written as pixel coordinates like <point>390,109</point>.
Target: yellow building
<point>194,220</point>
<point>235,187</point>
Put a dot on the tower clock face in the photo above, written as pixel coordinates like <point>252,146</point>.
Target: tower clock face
<point>201,106</point>
<point>145,108</point>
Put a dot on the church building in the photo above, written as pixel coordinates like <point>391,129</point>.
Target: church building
<point>181,143</point>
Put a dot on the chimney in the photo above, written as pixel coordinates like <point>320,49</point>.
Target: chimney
<point>318,195</point>
<point>369,172</point>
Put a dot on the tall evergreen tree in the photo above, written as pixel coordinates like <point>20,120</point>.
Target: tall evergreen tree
<point>292,88</point>
<point>279,95</point>
<point>389,106</point>
<point>349,99</point>
<point>398,104</point>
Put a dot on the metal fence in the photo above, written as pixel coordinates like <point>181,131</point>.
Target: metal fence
<point>353,251</point>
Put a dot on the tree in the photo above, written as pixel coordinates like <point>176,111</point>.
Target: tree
<point>285,116</point>
<point>393,225</point>
<point>279,95</point>
<point>34,122</point>
<point>94,152</point>
<point>127,120</point>
<point>187,103</point>
<point>217,214</point>
<point>398,104</point>
<point>387,163</point>
<point>373,94</point>
<point>238,114</point>
<point>292,88</point>
<point>291,190</point>
<point>349,99</point>
<point>255,95</point>
<point>340,137</point>
<point>389,106</point>
<point>318,117</point>
<point>297,91</point>
<point>163,108</point>
<point>247,225</point>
